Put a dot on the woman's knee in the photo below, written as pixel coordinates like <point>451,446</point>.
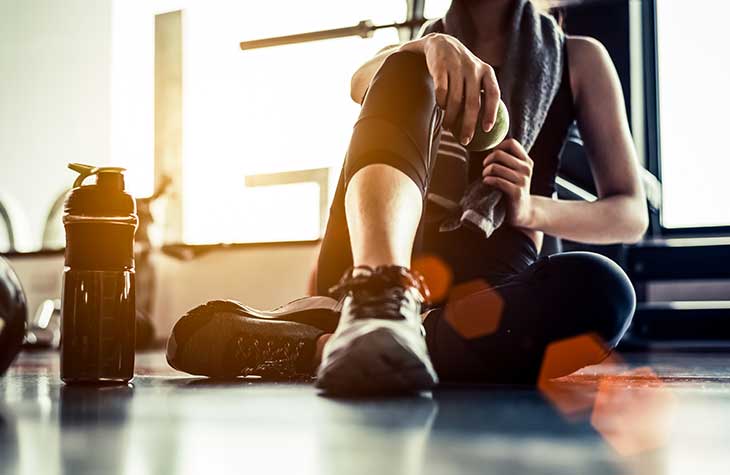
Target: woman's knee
<point>395,126</point>
<point>404,69</point>
<point>401,90</point>
<point>602,294</point>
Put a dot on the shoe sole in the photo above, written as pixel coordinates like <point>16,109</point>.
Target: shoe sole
<point>219,339</point>
<point>375,363</point>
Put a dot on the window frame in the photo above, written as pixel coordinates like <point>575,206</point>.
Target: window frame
<point>653,125</point>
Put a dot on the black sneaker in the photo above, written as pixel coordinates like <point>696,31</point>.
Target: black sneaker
<point>224,339</point>
<point>379,345</point>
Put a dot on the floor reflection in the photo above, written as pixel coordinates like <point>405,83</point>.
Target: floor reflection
<point>469,430</point>
<point>398,427</point>
<point>633,412</point>
<point>94,425</point>
<point>8,440</point>
<point>633,421</point>
<point>515,431</point>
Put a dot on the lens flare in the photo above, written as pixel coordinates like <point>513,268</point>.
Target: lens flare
<point>474,309</point>
<point>437,275</point>
<point>564,357</point>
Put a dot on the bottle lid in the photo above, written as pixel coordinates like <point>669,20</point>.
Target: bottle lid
<point>106,197</point>
<point>86,171</point>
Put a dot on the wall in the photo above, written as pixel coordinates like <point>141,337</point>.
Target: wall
<point>67,74</point>
<point>263,277</point>
<point>55,61</point>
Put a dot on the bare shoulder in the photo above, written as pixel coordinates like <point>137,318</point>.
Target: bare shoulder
<point>584,47</point>
<point>589,62</point>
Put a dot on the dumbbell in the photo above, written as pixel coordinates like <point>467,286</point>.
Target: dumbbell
<point>13,314</point>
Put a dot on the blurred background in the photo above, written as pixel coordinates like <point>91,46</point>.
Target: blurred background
<point>241,149</point>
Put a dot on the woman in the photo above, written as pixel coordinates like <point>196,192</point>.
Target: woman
<point>506,306</point>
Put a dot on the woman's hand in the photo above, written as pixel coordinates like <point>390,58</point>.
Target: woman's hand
<point>509,169</point>
<point>461,80</point>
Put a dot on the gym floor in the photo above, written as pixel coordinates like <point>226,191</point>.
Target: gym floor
<point>640,414</point>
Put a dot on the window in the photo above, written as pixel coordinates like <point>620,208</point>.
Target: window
<point>248,116</point>
<point>435,8</point>
<point>264,111</point>
<point>694,73</point>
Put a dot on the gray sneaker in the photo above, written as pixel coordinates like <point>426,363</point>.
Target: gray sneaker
<point>379,345</point>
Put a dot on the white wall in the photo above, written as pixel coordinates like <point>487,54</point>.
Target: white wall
<point>261,277</point>
<point>55,59</point>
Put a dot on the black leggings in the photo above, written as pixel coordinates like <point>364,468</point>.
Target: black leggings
<point>507,309</point>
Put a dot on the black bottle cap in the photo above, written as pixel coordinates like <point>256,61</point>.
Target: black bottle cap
<point>106,197</point>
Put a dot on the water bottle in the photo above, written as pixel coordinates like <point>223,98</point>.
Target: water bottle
<point>98,308</point>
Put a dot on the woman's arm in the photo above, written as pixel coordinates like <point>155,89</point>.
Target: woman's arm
<point>620,213</point>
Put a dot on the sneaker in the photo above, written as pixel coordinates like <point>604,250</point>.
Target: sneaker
<point>379,344</point>
<point>224,339</point>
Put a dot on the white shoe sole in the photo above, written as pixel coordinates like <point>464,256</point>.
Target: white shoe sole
<point>376,362</point>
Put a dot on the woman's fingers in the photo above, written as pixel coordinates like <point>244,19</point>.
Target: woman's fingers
<point>515,148</point>
<point>500,156</point>
<point>498,170</point>
<point>507,187</point>
<point>490,100</point>
<point>481,92</point>
<point>456,94</point>
<point>441,87</point>
<point>462,84</point>
<point>472,103</point>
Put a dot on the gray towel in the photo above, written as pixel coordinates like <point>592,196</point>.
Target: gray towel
<point>529,80</point>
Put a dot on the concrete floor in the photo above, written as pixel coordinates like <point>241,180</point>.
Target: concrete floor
<point>655,414</point>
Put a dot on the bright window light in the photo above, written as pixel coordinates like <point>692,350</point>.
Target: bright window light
<point>435,8</point>
<point>266,111</point>
<point>694,74</point>
<point>132,94</point>
<point>244,112</point>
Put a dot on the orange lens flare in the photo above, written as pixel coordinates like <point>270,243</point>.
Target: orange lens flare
<point>564,357</point>
<point>474,309</point>
<point>436,274</point>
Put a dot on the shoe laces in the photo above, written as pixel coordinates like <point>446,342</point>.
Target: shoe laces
<point>380,292</point>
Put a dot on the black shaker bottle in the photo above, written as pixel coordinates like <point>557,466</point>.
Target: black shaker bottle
<point>98,312</point>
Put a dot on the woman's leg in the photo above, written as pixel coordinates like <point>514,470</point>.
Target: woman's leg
<point>378,345</point>
<point>378,202</point>
<point>383,208</point>
<point>500,334</point>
